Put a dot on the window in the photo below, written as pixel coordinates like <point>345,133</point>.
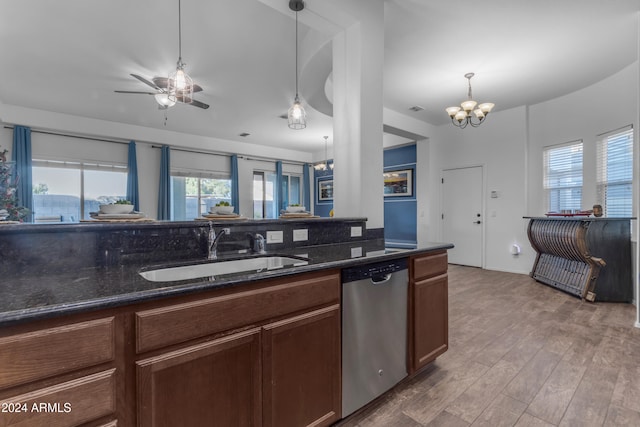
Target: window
<point>69,191</point>
<point>615,173</point>
<point>563,176</point>
<point>192,196</point>
<point>264,203</point>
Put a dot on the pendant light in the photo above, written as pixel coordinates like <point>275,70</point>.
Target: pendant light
<point>323,166</point>
<point>297,117</point>
<point>180,85</point>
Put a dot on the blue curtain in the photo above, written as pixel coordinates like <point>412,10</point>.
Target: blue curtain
<point>235,189</point>
<point>279,187</point>
<point>164,192</point>
<point>306,185</point>
<point>132,178</point>
<point>21,154</point>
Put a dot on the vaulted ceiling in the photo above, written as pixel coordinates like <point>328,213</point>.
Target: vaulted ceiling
<point>70,56</point>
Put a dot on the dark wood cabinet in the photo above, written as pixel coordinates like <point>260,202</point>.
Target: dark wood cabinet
<point>212,383</point>
<point>282,370</point>
<point>428,309</point>
<point>59,376</point>
<point>301,363</point>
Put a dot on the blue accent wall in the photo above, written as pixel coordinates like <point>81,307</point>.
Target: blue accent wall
<point>400,212</point>
<point>321,207</point>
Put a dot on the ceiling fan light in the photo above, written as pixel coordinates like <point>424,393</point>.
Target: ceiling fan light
<point>468,105</point>
<point>452,111</point>
<point>486,107</point>
<point>163,100</point>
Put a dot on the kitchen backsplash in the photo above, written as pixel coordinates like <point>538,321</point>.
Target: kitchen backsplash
<point>40,249</point>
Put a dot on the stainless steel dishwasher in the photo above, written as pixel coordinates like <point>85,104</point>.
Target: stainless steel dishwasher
<point>374,331</point>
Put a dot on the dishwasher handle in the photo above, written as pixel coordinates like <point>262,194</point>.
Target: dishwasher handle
<point>380,279</point>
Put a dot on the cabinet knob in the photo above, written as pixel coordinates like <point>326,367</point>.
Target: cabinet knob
<point>477,222</point>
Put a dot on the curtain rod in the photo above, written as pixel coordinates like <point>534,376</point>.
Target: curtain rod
<point>217,153</point>
<point>91,138</point>
<point>115,141</point>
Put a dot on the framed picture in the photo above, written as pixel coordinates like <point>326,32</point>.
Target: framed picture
<point>325,190</point>
<point>398,183</point>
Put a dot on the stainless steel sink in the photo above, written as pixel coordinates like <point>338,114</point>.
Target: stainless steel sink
<point>220,268</point>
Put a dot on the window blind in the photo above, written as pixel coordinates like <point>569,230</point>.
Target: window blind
<point>615,172</point>
<point>563,176</point>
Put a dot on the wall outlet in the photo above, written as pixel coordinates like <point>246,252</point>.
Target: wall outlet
<point>300,235</point>
<point>275,236</point>
<point>356,252</point>
<point>356,231</point>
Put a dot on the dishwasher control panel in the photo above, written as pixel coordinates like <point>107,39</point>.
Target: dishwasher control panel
<point>376,269</point>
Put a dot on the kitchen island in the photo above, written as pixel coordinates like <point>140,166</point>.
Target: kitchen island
<point>261,348</point>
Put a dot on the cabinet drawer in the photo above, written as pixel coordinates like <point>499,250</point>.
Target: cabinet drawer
<point>67,404</point>
<point>161,327</point>
<point>430,265</point>
<point>36,355</point>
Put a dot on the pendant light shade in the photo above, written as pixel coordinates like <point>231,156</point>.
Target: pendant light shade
<point>296,116</point>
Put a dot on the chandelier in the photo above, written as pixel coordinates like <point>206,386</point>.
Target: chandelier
<point>322,166</point>
<point>297,116</point>
<point>462,116</point>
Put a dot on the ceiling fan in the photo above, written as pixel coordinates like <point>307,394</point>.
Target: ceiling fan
<point>163,94</point>
<point>178,87</point>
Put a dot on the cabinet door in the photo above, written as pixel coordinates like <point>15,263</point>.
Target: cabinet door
<point>301,362</point>
<point>430,320</point>
<point>212,383</point>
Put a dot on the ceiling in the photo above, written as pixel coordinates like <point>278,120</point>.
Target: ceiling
<point>69,56</point>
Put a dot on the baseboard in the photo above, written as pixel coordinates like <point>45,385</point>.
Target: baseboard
<point>502,270</point>
<point>637,325</point>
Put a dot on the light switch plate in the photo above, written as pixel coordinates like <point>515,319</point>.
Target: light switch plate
<point>356,231</point>
<point>275,236</point>
<point>300,235</point>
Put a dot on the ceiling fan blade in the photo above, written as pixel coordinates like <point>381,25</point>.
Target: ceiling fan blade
<point>193,102</point>
<point>199,104</point>
<point>163,82</point>
<point>132,91</point>
<point>145,81</point>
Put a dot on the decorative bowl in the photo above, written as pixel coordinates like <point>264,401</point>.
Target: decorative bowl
<point>116,209</point>
<point>295,209</point>
<point>222,210</point>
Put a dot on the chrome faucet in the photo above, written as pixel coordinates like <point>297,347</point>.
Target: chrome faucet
<point>213,241</point>
<point>256,243</point>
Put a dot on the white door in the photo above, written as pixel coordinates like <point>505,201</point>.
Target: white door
<point>462,220</point>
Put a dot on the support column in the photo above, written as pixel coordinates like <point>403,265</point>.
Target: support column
<point>358,60</point>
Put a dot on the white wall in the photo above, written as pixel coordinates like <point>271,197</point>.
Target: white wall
<point>509,147</point>
<point>603,107</point>
<point>499,145</point>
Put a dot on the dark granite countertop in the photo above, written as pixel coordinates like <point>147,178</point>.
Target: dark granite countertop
<point>39,296</point>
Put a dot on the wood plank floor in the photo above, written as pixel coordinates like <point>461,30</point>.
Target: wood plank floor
<point>521,354</point>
